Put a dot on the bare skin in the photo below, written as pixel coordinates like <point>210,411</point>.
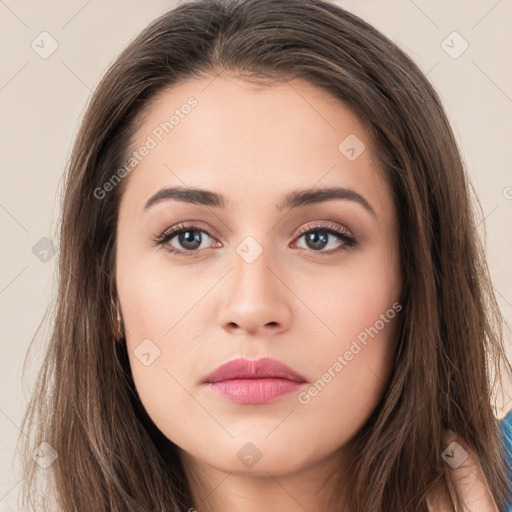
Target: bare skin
<point>254,146</point>
<point>470,484</point>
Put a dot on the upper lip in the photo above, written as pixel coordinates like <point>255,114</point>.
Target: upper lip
<point>263,368</point>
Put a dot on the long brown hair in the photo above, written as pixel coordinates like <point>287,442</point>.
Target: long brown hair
<point>85,406</point>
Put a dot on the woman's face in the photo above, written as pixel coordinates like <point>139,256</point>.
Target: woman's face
<point>258,275</point>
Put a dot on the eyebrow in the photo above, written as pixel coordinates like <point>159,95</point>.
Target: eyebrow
<point>294,199</point>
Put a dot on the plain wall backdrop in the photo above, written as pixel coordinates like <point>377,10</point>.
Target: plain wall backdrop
<point>53,56</point>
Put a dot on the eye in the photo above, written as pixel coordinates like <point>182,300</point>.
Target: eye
<point>318,237</point>
<point>189,238</point>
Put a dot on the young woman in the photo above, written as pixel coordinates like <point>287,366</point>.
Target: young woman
<point>271,291</point>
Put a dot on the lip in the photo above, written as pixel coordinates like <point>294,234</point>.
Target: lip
<point>254,381</point>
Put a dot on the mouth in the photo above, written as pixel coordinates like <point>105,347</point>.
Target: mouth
<point>254,382</point>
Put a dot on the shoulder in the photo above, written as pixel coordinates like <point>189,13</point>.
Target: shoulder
<point>468,477</point>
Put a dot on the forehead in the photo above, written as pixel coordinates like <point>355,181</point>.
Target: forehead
<point>253,141</point>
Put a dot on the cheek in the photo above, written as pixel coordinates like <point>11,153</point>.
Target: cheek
<point>165,310</point>
<point>156,296</point>
<point>352,361</point>
<point>351,371</point>
<point>151,306</point>
<point>161,333</point>
<point>348,301</point>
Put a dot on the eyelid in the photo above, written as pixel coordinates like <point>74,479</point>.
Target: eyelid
<point>327,225</point>
<point>187,224</point>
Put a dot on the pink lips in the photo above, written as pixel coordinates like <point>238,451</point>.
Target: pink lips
<point>254,382</point>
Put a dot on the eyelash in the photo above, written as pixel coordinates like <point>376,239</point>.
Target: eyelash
<point>329,228</point>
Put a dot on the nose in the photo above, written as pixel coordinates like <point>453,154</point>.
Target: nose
<point>255,299</point>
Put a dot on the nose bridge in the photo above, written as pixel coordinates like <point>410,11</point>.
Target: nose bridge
<point>255,297</point>
<point>251,276</point>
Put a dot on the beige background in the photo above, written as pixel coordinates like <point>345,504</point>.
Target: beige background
<point>43,99</point>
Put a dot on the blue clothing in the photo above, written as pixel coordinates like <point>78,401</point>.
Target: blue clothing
<point>506,428</point>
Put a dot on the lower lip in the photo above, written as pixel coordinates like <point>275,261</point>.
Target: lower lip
<point>254,391</point>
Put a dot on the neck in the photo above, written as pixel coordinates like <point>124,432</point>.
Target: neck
<point>314,487</point>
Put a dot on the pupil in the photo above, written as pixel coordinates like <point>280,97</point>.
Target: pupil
<point>316,241</point>
<point>190,237</point>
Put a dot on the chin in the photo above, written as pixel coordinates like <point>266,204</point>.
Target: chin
<point>256,459</point>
